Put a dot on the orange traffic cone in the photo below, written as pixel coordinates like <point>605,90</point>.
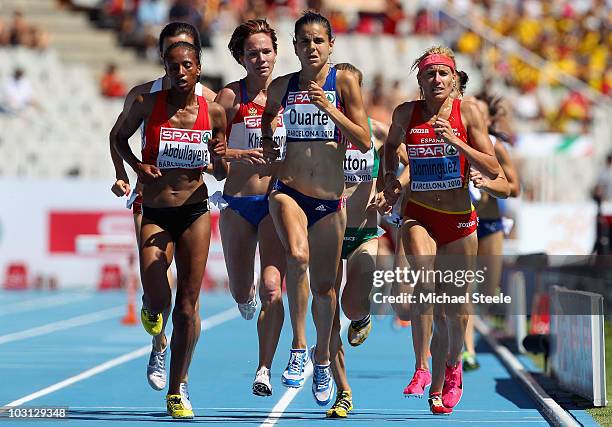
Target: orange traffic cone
<point>130,316</point>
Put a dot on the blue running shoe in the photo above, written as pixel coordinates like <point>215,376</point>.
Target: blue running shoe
<point>293,376</point>
<point>323,386</point>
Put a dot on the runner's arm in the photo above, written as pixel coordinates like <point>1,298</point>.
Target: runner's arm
<point>218,144</point>
<point>497,187</point>
<point>268,119</point>
<point>120,172</point>
<point>353,123</point>
<point>480,153</point>
<point>128,126</point>
<point>508,168</point>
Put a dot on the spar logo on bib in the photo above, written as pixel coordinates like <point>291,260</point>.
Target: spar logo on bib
<point>449,150</point>
<point>303,98</point>
<point>183,148</point>
<point>425,150</point>
<point>305,121</point>
<point>254,122</point>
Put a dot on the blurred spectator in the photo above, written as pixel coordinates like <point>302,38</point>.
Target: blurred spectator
<point>338,21</point>
<point>184,10</point>
<point>393,16</point>
<point>39,39</point>
<point>574,114</point>
<point>469,43</point>
<point>527,104</point>
<point>152,12</point>
<point>397,95</point>
<point>424,23</point>
<point>130,34</point>
<point>111,84</point>
<point>18,31</point>
<point>368,23</point>
<point>603,188</point>
<point>4,33</point>
<point>378,103</point>
<point>17,94</point>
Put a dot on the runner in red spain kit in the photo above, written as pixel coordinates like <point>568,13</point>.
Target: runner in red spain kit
<point>245,222</point>
<point>444,136</point>
<point>183,134</point>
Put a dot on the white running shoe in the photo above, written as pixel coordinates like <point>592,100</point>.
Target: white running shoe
<point>261,384</point>
<point>293,376</point>
<point>156,369</point>
<point>247,309</point>
<point>323,386</point>
<point>185,396</point>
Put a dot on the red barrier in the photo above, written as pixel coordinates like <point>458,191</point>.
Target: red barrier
<point>540,314</point>
<point>16,276</point>
<point>110,277</point>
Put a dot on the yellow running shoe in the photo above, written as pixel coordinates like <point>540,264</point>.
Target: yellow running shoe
<point>152,322</point>
<point>359,331</point>
<point>342,406</point>
<point>178,405</point>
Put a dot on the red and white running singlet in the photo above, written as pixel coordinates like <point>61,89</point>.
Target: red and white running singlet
<point>167,147</point>
<point>244,132</point>
<point>434,164</point>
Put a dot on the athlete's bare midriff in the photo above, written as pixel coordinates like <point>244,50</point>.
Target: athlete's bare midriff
<point>358,197</point>
<point>456,200</point>
<point>314,168</point>
<point>175,187</point>
<point>249,180</point>
<point>488,208</point>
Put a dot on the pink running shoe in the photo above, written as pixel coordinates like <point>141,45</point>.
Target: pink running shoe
<point>420,380</point>
<point>453,385</point>
<point>436,407</point>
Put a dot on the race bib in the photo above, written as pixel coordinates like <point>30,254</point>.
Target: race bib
<point>358,166</point>
<point>304,120</point>
<point>252,130</point>
<point>183,148</point>
<point>434,167</point>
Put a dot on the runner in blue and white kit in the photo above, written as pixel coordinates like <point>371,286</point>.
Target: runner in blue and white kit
<point>306,205</point>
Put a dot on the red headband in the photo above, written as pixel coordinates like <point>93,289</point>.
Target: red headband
<point>436,59</point>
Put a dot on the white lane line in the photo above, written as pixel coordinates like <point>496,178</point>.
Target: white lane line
<point>277,411</point>
<point>41,303</point>
<point>552,411</point>
<point>63,324</point>
<point>208,323</point>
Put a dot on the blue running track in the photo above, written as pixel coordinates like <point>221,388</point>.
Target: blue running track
<point>69,349</point>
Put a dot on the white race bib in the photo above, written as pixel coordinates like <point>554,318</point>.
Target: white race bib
<point>246,135</point>
<point>183,148</point>
<point>304,120</point>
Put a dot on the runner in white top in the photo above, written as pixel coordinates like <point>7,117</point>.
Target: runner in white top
<point>360,249</point>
